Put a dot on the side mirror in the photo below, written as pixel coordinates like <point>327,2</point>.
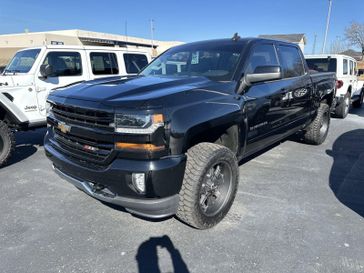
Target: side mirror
<point>264,73</point>
<point>46,70</point>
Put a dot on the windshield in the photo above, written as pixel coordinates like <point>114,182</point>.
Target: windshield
<point>216,62</point>
<point>322,65</point>
<point>23,61</point>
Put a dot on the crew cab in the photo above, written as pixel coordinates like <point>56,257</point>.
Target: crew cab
<point>350,91</point>
<point>168,141</point>
<point>33,72</point>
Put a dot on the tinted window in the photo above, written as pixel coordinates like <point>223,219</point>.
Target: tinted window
<point>134,63</point>
<point>351,68</point>
<point>262,55</point>
<point>217,62</point>
<point>23,61</point>
<point>322,65</point>
<point>345,67</point>
<point>104,63</point>
<point>64,63</point>
<point>291,61</point>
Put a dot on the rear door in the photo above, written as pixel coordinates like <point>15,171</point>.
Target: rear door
<point>297,86</point>
<point>354,78</point>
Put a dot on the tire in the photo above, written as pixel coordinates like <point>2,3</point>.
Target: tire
<point>209,186</point>
<point>317,131</point>
<point>342,110</point>
<point>7,143</point>
<point>358,103</point>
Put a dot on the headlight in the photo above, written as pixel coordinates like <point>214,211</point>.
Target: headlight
<point>137,123</point>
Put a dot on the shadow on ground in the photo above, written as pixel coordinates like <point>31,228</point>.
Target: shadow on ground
<point>347,172</point>
<point>357,111</point>
<point>26,145</point>
<point>147,256</point>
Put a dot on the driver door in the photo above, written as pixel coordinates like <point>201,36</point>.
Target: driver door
<point>66,69</point>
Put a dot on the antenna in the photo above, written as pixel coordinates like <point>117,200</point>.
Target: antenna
<point>235,37</point>
<point>126,30</point>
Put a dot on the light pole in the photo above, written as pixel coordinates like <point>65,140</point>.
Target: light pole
<point>327,26</point>
<point>152,35</point>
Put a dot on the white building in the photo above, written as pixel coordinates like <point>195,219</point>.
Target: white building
<point>10,43</point>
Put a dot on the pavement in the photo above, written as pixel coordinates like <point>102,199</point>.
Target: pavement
<point>299,208</point>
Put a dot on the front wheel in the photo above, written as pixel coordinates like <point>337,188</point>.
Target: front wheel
<point>7,143</point>
<point>209,185</point>
<point>317,131</point>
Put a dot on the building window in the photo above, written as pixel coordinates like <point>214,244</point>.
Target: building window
<point>104,63</point>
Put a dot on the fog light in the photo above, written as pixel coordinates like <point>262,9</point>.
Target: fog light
<point>139,182</point>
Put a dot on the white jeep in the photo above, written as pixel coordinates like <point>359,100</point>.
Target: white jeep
<point>349,90</point>
<point>32,73</point>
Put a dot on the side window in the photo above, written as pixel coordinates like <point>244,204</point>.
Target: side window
<point>291,61</point>
<point>351,68</point>
<point>104,63</point>
<point>134,63</point>
<point>345,67</point>
<point>263,54</point>
<point>64,63</point>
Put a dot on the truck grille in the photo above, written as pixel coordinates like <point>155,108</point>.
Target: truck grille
<point>84,117</point>
<point>84,145</point>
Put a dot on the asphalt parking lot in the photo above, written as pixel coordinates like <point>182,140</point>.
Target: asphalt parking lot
<point>299,208</point>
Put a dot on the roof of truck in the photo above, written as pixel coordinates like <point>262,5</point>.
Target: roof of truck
<point>320,56</point>
<point>242,41</point>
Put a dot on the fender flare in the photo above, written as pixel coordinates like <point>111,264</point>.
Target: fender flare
<point>16,115</point>
<point>219,115</point>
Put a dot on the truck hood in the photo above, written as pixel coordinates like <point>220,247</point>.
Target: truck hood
<point>138,91</point>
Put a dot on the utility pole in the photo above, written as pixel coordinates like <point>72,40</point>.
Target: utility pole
<point>314,44</point>
<point>152,34</point>
<point>327,26</point>
<point>126,30</point>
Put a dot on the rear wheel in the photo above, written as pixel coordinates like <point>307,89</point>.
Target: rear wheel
<point>317,131</point>
<point>358,103</point>
<point>7,143</point>
<point>343,108</point>
<point>209,185</point>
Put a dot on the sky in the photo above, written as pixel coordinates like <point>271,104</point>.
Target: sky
<point>185,20</point>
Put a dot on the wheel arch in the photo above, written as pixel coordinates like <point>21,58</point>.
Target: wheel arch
<point>218,123</point>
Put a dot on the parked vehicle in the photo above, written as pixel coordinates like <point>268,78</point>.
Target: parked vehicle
<point>34,72</point>
<point>169,140</point>
<point>349,89</point>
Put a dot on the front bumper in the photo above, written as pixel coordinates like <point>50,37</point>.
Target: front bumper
<point>152,208</point>
<point>163,182</point>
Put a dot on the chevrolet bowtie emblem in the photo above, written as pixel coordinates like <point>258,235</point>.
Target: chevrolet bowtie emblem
<point>64,128</point>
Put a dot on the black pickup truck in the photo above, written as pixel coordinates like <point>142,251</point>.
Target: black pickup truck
<point>168,141</point>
